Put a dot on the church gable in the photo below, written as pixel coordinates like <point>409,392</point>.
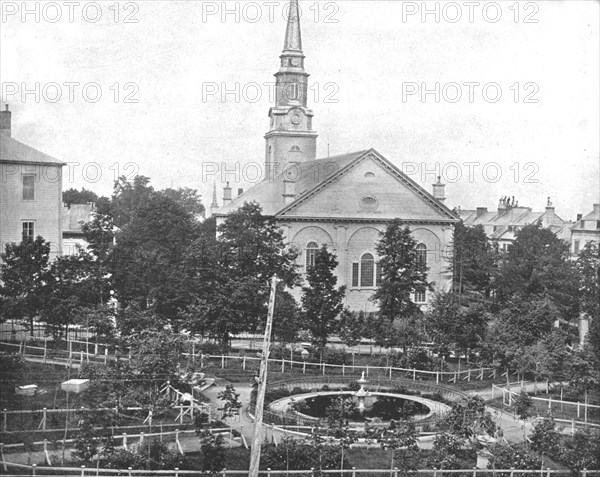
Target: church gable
<point>369,188</point>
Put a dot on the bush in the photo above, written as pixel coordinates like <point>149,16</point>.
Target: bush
<point>335,356</point>
<point>293,454</point>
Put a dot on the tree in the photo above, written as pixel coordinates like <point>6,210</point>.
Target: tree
<point>148,260</point>
<point>321,300</point>
<point>287,317</point>
<point>403,273</point>
<point>24,278</point>
<point>452,325</point>
<point>74,196</point>
<point>338,415</point>
<point>582,450</point>
<point>231,275</point>
<point>401,435</point>
<point>188,198</point>
<point>473,262</point>
<point>127,197</point>
<point>352,327</point>
<point>231,403</point>
<point>75,283</point>
<point>468,418</point>
<point>544,438</point>
<point>537,266</point>
<point>212,452</point>
<point>523,406</point>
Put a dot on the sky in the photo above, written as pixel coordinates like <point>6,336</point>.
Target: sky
<point>498,98</point>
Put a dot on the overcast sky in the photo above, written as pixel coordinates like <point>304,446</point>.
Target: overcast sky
<point>364,57</point>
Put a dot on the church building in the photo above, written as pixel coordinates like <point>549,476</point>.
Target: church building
<point>342,201</point>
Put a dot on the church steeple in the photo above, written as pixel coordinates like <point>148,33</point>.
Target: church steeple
<point>290,138</point>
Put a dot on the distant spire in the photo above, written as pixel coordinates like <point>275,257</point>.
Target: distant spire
<point>214,197</point>
<point>293,38</point>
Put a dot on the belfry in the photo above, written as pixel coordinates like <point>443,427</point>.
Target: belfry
<point>290,138</point>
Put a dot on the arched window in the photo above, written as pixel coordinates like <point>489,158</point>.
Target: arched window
<point>367,270</point>
<point>311,253</point>
<point>295,149</point>
<point>422,254</point>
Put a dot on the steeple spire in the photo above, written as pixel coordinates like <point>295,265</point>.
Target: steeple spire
<point>293,38</point>
<point>215,205</point>
<point>291,138</point>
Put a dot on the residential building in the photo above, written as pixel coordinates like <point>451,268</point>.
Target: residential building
<point>502,225</point>
<point>586,229</point>
<point>30,191</point>
<point>74,216</point>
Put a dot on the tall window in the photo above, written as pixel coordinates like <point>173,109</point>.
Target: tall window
<point>422,254</point>
<point>420,296</point>
<point>576,247</point>
<point>367,270</point>
<point>27,231</point>
<point>28,186</point>
<point>311,253</point>
<point>355,274</point>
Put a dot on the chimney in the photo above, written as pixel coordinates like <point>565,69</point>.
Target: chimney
<point>596,209</point>
<point>289,188</point>
<point>481,211</point>
<point>5,122</point>
<point>579,217</point>
<point>438,190</point>
<point>549,207</point>
<point>226,194</point>
<point>240,191</point>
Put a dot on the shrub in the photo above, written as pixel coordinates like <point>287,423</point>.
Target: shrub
<point>335,356</point>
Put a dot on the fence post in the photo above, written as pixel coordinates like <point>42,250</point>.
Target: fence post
<point>343,369</point>
<point>304,367</point>
<point>244,363</point>
<point>45,350</point>
<point>222,362</point>
<point>141,438</point>
<point>4,420</point>
<point>390,372</point>
<point>437,377</point>
<point>129,471</point>
<point>4,467</point>
<point>395,471</point>
<point>176,471</point>
<point>353,471</point>
<point>367,370</point>
<point>268,472</point>
<point>323,369</point>
<point>82,470</point>
<point>33,466</point>
<point>414,374</point>
<point>282,366</point>
<point>512,472</point>
<point>125,441</point>
<point>105,355</point>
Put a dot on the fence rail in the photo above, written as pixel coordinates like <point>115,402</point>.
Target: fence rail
<point>354,472</point>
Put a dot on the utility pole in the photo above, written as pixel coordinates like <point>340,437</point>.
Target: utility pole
<point>262,382</point>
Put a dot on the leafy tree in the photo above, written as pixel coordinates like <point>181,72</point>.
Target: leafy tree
<point>402,272</point>
<point>127,197</point>
<point>294,454</point>
<point>24,277</point>
<point>74,196</point>
<point>321,300</point>
<point>287,317</point>
<point>545,440</point>
<point>212,452</point>
<point>523,406</point>
<point>473,262</point>
<point>75,283</point>
<point>99,233</point>
<point>352,327</point>
<point>338,415</point>
<point>232,274</point>
<point>401,437</point>
<point>451,325</point>
<point>538,266</point>
<point>147,262</point>
<point>505,456</point>
<point>468,418</point>
<point>582,450</point>
<point>451,452</point>
<point>188,198</point>
<point>231,403</point>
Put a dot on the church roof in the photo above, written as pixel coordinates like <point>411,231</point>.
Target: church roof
<point>312,176</point>
<point>14,151</point>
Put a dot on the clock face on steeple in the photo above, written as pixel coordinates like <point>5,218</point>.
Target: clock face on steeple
<point>295,61</point>
<point>295,118</point>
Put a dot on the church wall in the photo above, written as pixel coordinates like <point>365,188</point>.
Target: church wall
<point>280,150</point>
<point>351,240</point>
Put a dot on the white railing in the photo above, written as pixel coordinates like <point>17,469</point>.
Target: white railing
<point>353,472</point>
